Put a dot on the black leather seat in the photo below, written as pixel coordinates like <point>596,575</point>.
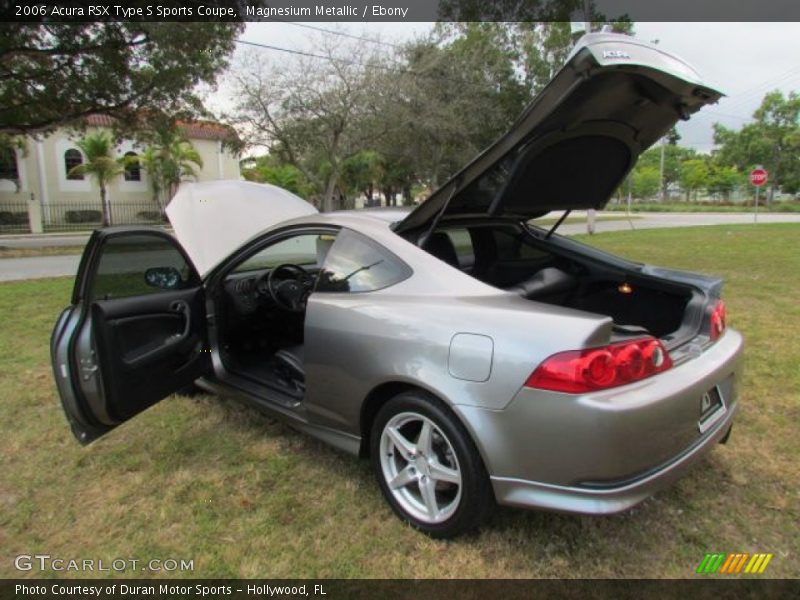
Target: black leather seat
<point>291,361</point>
<point>441,246</point>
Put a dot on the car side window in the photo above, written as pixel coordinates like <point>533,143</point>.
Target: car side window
<point>462,242</point>
<point>357,264</point>
<point>511,245</point>
<point>137,265</point>
<point>302,250</point>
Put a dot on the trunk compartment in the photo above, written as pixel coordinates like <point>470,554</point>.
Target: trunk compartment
<point>634,305</point>
<point>640,299</point>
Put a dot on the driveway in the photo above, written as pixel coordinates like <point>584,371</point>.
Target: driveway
<point>35,267</point>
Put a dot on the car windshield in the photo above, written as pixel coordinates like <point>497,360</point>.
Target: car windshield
<point>298,250</point>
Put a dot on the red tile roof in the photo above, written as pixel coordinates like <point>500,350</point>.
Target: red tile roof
<point>196,130</point>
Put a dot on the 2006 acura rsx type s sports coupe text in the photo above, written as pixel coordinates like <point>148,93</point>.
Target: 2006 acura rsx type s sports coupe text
<point>474,357</point>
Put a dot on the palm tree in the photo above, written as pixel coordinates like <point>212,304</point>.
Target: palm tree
<point>179,164</point>
<point>149,161</point>
<point>100,165</point>
<point>169,161</point>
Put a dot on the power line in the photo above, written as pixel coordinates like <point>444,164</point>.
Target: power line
<point>743,98</point>
<point>339,33</point>
<point>399,69</point>
<point>311,55</point>
<point>712,113</point>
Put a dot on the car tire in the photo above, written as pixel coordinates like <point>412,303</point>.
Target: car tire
<point>417,472</point>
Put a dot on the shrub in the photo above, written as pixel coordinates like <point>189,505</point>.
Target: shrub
<point>83,216</point>
<point>149,215</point>
<point>8,217</point>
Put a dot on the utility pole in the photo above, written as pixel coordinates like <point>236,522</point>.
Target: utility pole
<point>663,189</point>
<point>587,24</point>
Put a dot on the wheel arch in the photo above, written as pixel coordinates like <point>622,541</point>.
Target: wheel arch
<point>384,392</point>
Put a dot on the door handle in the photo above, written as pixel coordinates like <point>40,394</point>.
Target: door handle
<point>181,306</point>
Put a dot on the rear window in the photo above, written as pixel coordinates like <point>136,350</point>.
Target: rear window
<point>357,264</point>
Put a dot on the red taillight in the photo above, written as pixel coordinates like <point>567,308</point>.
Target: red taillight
<point>719,320</point>
<point>579,371</point>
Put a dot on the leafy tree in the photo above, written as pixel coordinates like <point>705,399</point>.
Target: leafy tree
<point>269,169</point>
<point>723,180</point>
<point>100,165</point>
<point>644,182</point>
<point>54,73</point>
<point>311,112</point>
<point>170,160</point>
<point>695,175</point>
<point>362,172</point>
<point>773,141</point>
<point>544,46</point>
<point>674,156</point>
<point>459,91</point>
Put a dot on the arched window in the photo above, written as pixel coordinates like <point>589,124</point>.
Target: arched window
<point>133,171</point>
<point>72,158</point>
<point>8,164</point>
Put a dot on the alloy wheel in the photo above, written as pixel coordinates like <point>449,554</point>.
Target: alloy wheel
<point>420,467</point>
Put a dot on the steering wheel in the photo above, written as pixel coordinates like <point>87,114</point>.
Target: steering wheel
<point>291,293</point>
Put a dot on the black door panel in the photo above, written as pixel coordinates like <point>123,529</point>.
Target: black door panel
<point>124,344</point>
<point>147,352</point>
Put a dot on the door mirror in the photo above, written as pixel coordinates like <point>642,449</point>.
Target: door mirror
<point>164,278</point>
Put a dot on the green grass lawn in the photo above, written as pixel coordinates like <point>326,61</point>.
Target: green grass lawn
<point>784,206</point>
<point>241,495</point>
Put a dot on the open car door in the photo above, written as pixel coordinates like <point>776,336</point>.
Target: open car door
<point>134,333</point>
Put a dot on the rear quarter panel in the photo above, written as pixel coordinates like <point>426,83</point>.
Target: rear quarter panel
<point>356,342</point>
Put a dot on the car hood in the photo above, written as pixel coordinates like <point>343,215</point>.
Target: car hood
<point>576,141</point>
<point>213,218</point>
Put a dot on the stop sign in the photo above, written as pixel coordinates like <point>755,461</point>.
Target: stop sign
<point>758,177</point>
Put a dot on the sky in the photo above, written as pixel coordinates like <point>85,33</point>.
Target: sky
<point>743,60</point>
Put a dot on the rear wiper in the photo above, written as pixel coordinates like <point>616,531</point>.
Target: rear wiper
<point>559,222</point>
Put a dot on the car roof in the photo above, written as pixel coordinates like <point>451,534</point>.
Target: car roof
<point>390,214</point>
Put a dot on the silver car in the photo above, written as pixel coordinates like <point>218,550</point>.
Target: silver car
<point>473,357</point>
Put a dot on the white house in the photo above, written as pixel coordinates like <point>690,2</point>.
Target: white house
<point>38,193</point>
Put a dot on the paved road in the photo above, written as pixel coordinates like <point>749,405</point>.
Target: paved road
<point>43,241</point>
<point>57,266</point>
<point>36,267</point>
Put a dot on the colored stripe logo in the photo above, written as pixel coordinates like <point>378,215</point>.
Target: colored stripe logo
<point>733,564</point>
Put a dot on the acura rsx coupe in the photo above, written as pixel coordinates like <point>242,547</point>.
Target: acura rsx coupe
<point>473,356</point>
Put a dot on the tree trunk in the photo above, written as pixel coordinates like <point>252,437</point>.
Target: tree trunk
<point>407,200</point>
<point>104,203</point>
<point>330,191</point>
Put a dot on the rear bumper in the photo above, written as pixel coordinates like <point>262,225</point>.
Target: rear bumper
<point>604,452</point>
<point>610,500</point>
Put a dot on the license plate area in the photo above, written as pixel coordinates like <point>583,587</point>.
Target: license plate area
<point>712,409</point>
